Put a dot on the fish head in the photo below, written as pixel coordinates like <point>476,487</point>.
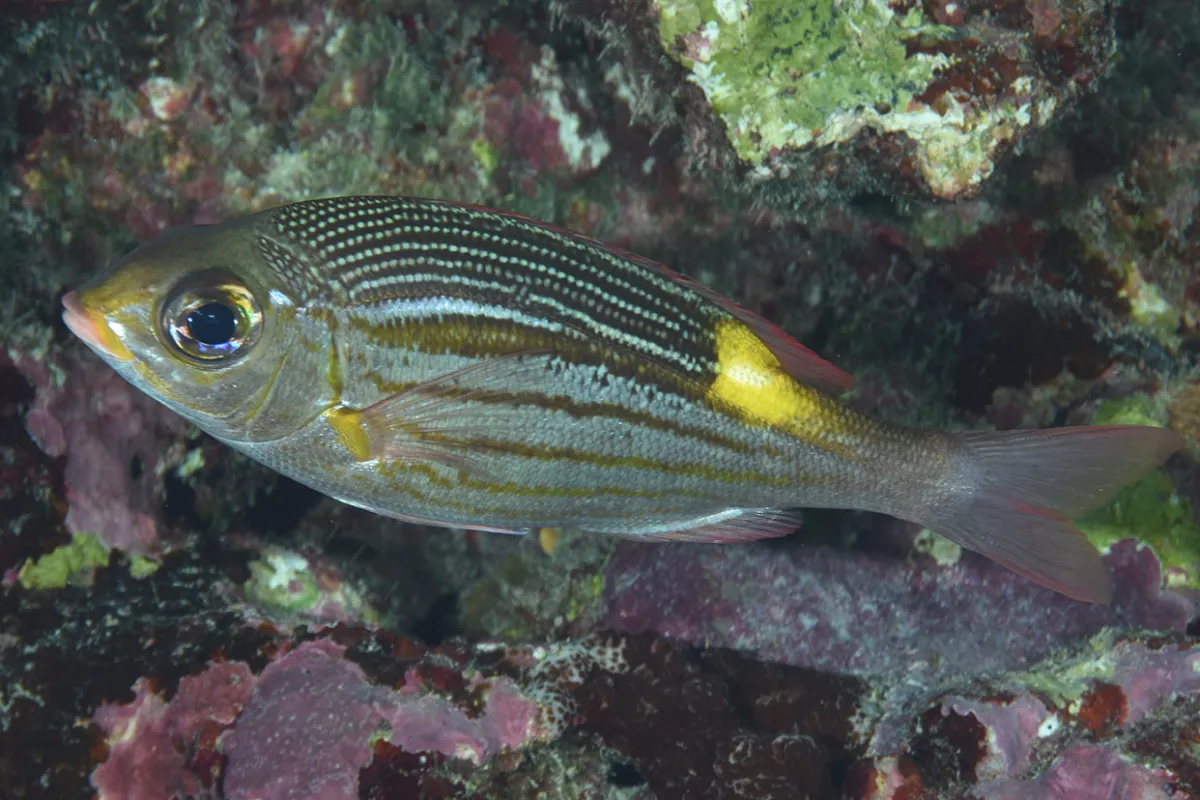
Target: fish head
<point>199,320</point>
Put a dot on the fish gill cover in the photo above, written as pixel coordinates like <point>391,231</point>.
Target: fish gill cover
<point>985,210</point>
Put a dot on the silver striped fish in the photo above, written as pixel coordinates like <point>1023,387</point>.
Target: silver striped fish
<point>460,366</point>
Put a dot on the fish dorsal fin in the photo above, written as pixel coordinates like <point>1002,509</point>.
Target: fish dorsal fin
<point>797,360</point>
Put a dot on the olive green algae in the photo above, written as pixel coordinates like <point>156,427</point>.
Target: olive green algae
<point>797,73</point>
<point>777,71</point>
<point>282,581</point>
<point>1150,510</point>
<point>69,564</point>
<point>286,586</point>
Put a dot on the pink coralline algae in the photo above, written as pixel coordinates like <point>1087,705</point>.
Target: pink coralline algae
<point>872,614</point>
<point>1012,729</point>
<point>152,743</point>
<point>549,127</point>
<point>117,442</point>
<point>305,727</point>
<point>999,742</point>
<point>841,612</point>
<point>1087,772</point>
<point>309,727</point>
<point>1152,680</point>
<point>306,731</point>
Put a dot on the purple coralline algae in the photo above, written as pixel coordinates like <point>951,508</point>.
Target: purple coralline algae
<point>308,729</point>
<point>117,447</point>
<point>178,621</point>
<point>1087,772</point>
<point>305,731</point>
<point>306,726</point>
<point>866,614</point>
<point>1122,697</point>
<point>151,742</point>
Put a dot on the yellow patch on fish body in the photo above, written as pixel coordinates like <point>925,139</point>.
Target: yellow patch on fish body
<point>347,423</point>
<point>751,380</point>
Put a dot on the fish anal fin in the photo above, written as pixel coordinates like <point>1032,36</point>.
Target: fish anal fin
<point>746,526</point>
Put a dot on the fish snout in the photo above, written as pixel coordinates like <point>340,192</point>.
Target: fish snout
<point>93,328</point>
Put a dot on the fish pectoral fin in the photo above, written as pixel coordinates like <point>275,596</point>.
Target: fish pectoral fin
<point>434,421</point>
<point>731,525</point>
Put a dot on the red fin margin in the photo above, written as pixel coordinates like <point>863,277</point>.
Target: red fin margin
<point>797,360</point>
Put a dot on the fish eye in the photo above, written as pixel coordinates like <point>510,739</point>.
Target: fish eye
<point>211,322</point>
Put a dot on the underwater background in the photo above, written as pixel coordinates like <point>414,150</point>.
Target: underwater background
<point>985,210</point>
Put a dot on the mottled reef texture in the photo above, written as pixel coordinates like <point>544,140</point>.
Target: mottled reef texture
<point>984,209</point>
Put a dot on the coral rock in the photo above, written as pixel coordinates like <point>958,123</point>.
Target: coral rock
<point>953,91</point>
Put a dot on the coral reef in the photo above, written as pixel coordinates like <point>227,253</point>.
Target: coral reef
<point>177,621</point>
<point>929,94</point>
<point>989,742</point>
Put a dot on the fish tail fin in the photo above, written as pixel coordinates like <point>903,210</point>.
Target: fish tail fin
<point>1022,489</point>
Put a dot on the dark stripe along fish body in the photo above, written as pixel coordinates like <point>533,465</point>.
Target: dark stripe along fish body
<point>475,368</point>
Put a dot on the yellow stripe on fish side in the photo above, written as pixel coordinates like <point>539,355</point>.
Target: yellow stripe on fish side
<point>753,384</point>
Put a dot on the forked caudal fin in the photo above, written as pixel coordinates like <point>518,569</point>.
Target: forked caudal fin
<point>1028,485</point>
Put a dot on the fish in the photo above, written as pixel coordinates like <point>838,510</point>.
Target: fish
<point>458,366</point>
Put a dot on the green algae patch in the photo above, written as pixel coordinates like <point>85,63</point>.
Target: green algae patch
<point>292,589</point>
<point>944,552</point>
<point>485,155</point>
<point>142,567</point>
<point>70,564</point>
<point>793,74</point>
<point>1136,410</point>
<point>281,581</point>
<point>782,73</point>
<point>1151,512</point>
<point>1064,682</point>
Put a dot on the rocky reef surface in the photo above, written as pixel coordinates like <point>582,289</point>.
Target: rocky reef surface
<point>986,210</point>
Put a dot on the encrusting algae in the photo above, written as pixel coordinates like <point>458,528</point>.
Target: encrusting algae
<point>458,366</point>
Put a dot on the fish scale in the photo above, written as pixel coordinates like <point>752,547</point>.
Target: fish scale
<point>459,366</point>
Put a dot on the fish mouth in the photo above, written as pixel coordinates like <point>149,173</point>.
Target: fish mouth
<point>91,326</point>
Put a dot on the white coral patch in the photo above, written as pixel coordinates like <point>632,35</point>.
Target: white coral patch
<point>583,152</point>
<point>731,11</point>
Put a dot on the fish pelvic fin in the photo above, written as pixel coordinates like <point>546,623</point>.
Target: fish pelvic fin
<point>1022,489</point>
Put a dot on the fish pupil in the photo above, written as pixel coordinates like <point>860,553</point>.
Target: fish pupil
<point>212,324</point>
